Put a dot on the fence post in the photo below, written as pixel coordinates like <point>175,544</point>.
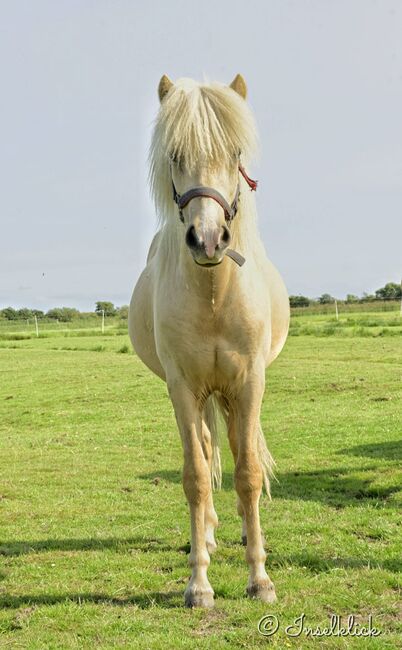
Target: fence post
<point>36,325</point>
<point>336,310</point>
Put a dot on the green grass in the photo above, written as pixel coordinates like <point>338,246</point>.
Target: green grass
<point>94,523</point>
<point>349,325</point>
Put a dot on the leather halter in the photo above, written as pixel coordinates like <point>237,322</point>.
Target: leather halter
<point>182,200</point>
<point>209,192</point>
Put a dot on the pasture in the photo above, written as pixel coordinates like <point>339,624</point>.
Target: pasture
<point>94,524</point>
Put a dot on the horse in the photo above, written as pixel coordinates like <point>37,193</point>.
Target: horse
<point>210,312</point>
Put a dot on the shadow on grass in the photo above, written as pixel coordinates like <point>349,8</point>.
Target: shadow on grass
<point>146,545</point>
<point>317,564</point>
<point>338,487</point>
<point>385,450</point>
<point>174,599</point>
<point>168,600</point>
<point>175,476</point>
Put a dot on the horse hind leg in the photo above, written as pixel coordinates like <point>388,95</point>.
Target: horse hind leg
<point>232,435</point>
<point>211,454</point>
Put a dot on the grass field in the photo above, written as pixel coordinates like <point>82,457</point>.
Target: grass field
<point>95,527</point>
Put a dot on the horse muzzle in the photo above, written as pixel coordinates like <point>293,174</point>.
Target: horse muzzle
<point>208,246</point>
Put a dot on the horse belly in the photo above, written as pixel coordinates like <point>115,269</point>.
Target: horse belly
<point>141,324</point>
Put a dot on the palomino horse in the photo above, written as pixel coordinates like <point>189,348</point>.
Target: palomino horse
<point>204,323</point>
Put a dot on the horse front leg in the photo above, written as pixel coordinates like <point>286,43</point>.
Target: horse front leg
<point>197,488</point>
<point>248,482</point>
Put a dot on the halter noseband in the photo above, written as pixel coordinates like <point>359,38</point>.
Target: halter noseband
<point>230,210</point>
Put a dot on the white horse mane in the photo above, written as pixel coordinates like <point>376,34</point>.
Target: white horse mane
<point>200,121</point>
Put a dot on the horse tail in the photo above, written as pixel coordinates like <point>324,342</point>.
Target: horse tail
<point>211,412</point>
<point>267,461</point>
<point>216,405</point>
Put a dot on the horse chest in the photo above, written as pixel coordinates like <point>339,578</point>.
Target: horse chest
<point>214,352</point>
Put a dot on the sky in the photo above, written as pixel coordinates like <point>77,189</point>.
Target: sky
<point>79,95</point>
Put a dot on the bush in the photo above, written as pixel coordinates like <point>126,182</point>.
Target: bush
<point>391,291</point>
<point>326,299</point>
<point>107,307</point>
<point>9,313</point>
<point>63,314</point>
<point>299,301</point>
<point>123,312</point>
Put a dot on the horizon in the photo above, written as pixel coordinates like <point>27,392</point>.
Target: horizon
<point>369,295</point>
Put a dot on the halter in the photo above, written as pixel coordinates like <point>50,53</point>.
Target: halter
<point>182,200</point>
<point>230,210</point>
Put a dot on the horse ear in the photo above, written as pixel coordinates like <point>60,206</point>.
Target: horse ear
<point>239,85</point>
<point>165,85</point>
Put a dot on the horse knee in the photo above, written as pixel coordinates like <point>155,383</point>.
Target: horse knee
<point>248,478</point>
<point>196,483</point>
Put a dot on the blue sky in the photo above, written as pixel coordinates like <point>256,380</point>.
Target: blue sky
<point>79,95</point>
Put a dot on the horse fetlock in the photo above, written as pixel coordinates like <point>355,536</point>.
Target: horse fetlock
<point>211,544</point>
<point>199,561</point>
<point>244,539</point>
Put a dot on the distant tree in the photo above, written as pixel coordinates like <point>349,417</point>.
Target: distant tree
<point>107,307</point>
<point>64,314</point>
<point>299,301</point>
<point>367,297</point>
<point>391,291</point>
<point>24,313</point>
<point>38,313</point>
<point>123,312</point>
<point>326,299</point>
<point>351,298</point>
<point>9,313</point>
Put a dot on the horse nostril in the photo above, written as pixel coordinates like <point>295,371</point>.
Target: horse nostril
<point>226,236</point>
<point>192,240</point>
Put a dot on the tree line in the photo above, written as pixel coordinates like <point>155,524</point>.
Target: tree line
<point>391,291</point>
<point>65,314</point>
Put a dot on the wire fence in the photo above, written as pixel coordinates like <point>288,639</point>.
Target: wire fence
<point>36,326</point>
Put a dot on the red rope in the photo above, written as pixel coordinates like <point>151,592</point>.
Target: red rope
<point>252,184</point>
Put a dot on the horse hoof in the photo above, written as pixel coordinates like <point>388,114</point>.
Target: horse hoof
<point>262,591</point>
<point>211,547</point>
<point>199,599</point>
